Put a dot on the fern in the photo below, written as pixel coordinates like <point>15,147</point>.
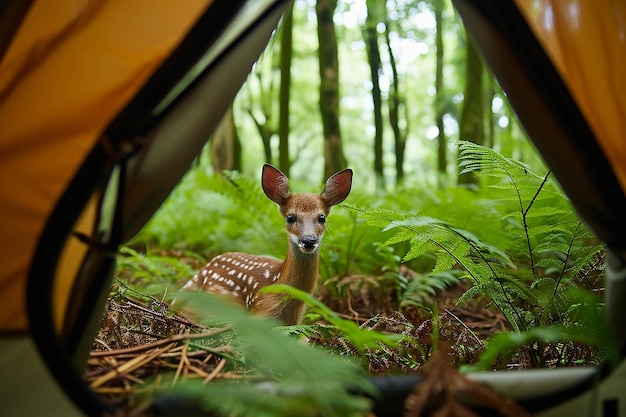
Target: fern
<point>546,249</point>
<point>217,213</point>
<point>420,290</point>
<point>154,272</point>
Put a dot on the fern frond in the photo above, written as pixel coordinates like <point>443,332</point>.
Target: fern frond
<point>419,290</point>
<point>414,223</point>
<point>474,291</point>
<point>546,212</point>
<point>545,284</point>
<point>485,161</point>
<point>419,247</point>
<point>484,247</point>
<point>519,290</point>
<point>547,229</point>
<point>592,258</point>
<point>401,235</point>
<point>378,217</point>
<point>553,244</point>
<point>551,265</point>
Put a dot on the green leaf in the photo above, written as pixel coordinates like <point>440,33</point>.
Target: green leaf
<point>359,337</point>
<point>413,223</point>
<point>296,376</point>
<point>503,343</point>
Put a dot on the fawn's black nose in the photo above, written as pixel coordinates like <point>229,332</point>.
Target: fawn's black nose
<point>309,242</point>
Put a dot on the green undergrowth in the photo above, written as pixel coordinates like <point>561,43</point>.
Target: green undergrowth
<point>522,246</point>
<point>515,238</point>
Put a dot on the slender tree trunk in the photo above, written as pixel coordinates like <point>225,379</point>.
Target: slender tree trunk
<point>284,162</point>
<point>266,134</point>
<point>260,107</point>
<point>373,56</point>
<point>442,141</point>
<point>329,87</point>
<point>395,104</point>
<point>471,124</point>
<point>225,145</point>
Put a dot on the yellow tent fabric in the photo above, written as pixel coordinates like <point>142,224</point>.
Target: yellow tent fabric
<point>578,35</point>
<point>72,65</point>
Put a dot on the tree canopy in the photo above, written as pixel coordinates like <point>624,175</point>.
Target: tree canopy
<point>387,88</point>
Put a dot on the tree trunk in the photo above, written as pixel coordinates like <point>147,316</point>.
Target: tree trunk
<point>329,87</point>
<point>471,124</point>
<point>442,141</point>
<point>225,145</point>
<point>373,56</point>
<point>284,163</point>
<point>261,101</point>
<point>396,103</point>
<point>266,134</point>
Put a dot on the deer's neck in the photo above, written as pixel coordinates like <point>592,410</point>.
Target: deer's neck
<point>300,270</point>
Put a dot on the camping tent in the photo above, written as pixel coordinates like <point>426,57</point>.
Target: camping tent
<point>104,104</point>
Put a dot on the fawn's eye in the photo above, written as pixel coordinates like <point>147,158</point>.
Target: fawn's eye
<point>291,218</point>
<point>321,218</point>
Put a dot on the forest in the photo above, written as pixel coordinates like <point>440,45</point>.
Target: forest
<point>455,237</point>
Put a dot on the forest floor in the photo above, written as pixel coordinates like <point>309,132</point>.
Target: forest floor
<point>139,340</point>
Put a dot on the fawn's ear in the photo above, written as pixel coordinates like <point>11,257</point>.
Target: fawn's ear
<point>337,187</point>
<point>275,184</point>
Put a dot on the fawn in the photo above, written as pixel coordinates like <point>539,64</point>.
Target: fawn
<point>240,276</point>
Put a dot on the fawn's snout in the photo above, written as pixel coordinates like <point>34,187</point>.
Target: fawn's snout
<point>306,238</point>
<point>308,244</point>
